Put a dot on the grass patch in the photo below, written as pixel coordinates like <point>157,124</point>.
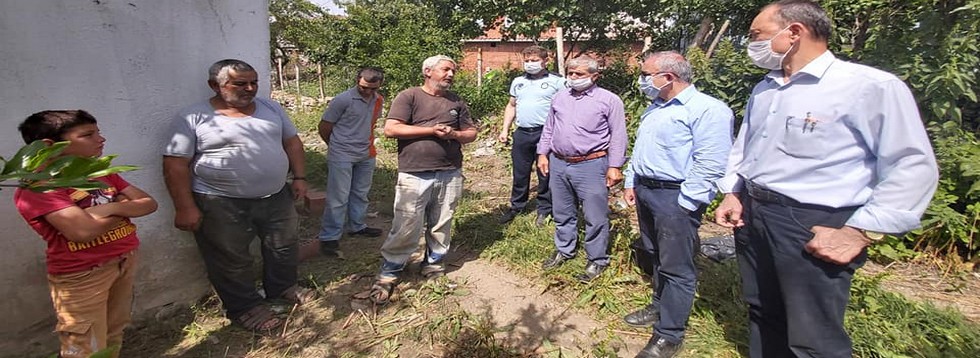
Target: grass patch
<point>881,323</point>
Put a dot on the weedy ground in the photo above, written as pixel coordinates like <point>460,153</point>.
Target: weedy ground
<point>496,301</point>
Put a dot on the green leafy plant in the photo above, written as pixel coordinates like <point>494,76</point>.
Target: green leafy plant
<point>42,167</point>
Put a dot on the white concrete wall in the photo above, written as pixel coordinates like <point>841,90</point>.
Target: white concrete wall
<point>132,64</point>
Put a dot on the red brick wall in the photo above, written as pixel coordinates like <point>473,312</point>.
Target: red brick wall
<point>497,55</point>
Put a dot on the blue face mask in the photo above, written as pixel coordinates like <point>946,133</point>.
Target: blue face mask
<point>648,88</point>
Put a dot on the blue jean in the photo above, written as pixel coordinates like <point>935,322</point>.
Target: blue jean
<point>585,183</point>
<point>424,207</point>
<point>669,236</point>
<point>348,184</point>
<point>796,301</point>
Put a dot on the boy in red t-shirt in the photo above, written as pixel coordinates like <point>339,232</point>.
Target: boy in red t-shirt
<point>91,254</point>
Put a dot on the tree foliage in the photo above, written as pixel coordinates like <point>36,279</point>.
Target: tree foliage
<point>931,44</point>
<point>41,167</point>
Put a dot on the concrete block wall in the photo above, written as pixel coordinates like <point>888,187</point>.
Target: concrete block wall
<point>132,64</point>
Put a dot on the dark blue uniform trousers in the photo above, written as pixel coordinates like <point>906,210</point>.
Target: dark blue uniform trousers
<point>669,236</point>
<point>524,156</point>
<point>581,183</point>
<point>796,301</point>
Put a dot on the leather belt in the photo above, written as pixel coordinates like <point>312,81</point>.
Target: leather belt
<point>759,192</point>
<point>581,158</point>
<point>530,129</point>
<point>657,184</point>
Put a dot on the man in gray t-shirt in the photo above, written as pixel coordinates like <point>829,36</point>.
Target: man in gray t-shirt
<point>226,165</point>
<point>347,127</point>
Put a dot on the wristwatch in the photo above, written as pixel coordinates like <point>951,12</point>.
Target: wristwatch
<point>874,236</point>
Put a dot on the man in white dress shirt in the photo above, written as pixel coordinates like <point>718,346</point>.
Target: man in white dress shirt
<point>830,156</point>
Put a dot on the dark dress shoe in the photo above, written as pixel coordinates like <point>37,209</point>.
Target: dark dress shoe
<point>592,270</point>
<point>644,317</point>
<point>541,220</point>
<point>508,216</point>
<point>555,260</point>
<point>367,232</point>
<point>331,249</point>
<point>658,347</point>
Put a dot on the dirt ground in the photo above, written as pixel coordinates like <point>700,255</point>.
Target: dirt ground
<point>524,315</point>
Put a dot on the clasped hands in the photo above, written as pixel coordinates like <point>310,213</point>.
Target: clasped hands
<point>443,131</point>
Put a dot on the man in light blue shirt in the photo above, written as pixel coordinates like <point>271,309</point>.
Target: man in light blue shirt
<point>530,101</point>
<point>347,127</point>
<point>681,148</point>
<point>830,155</point>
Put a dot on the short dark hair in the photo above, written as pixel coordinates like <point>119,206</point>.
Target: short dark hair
<point>53,124</point>
<point>370,74</point>
<point>535,50</point>
<point>806,12</point>
<point>218,72</point>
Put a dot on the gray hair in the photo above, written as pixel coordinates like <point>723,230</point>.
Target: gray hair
<point>431,62</point>
<point>806,12</point>
<point>584,60</point>
<point>219,70</point>
<point>671,61</point>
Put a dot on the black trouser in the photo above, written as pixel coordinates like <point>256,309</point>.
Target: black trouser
<point>524,156</point>
<point>228,228</point>
<point>796,301</point>
<point>669,237</point>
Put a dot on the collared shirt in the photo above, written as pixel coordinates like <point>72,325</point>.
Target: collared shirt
<point>838,134</point>
<point>533,98</point>
<point>688,139</point>
<point>586,122</point>
<point>351,114</point>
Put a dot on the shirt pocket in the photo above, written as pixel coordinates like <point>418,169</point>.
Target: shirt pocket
<point>810,137</point>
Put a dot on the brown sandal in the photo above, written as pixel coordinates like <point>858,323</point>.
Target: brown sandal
<point>258,319</point>
<point>380,292</point>
<point>299,295</point>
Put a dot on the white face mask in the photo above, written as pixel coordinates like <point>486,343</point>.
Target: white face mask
<point>533,67</point>
<point>762,54</point>
<point>580,84</point>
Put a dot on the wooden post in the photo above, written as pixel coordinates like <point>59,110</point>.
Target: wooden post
<point>299,95</point>
<point>647,41</point>
<point>714,43</point>
<point>282,77</point>
<point>319,79</point>
<point>560,49</point>
<point>479,66</point>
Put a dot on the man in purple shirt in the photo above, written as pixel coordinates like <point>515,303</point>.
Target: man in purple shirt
<point>582,147</point>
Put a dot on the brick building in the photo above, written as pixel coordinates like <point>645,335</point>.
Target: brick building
<point>491,51</point>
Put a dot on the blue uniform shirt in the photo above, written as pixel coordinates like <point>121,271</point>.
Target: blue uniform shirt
<point>688,139</point>
<point>533,98</point>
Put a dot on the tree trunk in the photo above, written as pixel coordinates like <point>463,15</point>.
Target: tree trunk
<point>702,31</point>
<point>714,42</point>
